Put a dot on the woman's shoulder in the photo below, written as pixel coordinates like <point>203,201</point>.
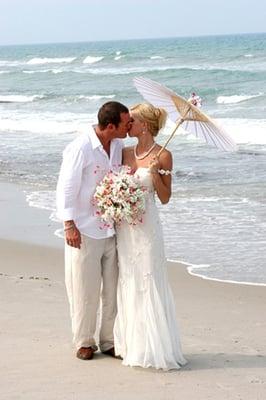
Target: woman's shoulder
<point>165,158</point>
<point>164,154</point>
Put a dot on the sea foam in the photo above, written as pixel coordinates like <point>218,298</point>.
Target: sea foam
<point>251,131</point>
<point>92,60</point>
<point>96,97</point>
<point>44,123</point>
<point>40,61</point>
<point>19,98</point>
<point>42,71</point>
<point>235,98</point>
<point>10,63</point>
<point>156,58</point>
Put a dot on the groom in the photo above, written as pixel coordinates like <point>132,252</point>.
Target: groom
<point>91,267</point>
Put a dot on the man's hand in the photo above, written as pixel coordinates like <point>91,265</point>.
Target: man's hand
<point>72,234</point>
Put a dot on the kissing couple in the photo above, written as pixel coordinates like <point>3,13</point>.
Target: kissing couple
<point>124,267</point>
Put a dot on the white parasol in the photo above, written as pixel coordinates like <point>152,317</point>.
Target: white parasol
<point>183,112</point>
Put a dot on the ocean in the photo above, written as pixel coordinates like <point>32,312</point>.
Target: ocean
<point>216,219</point>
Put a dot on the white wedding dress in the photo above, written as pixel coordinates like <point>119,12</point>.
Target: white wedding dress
<point>145,332</point>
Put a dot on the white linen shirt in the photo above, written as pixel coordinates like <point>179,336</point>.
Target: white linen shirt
<point>85,162</point>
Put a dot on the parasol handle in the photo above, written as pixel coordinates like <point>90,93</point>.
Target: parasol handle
<point>178,123</point>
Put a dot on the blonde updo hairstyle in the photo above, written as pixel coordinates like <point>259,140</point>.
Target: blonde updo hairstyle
<point>154,117</point>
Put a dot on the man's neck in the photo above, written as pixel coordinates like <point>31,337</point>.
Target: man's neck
<point>104,138</point>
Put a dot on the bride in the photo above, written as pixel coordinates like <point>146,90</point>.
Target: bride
<point>146,332</point>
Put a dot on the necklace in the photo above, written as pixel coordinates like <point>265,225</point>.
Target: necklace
<point>143,155</point>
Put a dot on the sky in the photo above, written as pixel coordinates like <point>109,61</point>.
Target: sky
<point>47,21</point>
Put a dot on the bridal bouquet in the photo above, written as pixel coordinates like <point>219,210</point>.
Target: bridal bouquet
<point>120,197</point>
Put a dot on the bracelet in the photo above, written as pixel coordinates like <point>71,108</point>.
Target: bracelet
<point>164,172</point>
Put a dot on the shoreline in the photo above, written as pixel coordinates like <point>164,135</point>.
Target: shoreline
<point>191,267</point>
<point>23,223</point>
<point>45,231</point>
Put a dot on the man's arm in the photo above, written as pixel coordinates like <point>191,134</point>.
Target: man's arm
<point>67,191</point>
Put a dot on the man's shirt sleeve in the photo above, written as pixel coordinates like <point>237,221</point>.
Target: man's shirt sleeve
<point>69,183</point>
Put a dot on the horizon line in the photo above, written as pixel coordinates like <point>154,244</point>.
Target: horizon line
<point>133,39</point>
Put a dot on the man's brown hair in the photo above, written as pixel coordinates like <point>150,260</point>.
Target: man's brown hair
<point>109,113</point>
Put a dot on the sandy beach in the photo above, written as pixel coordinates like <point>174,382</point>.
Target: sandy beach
<point>222,328</point>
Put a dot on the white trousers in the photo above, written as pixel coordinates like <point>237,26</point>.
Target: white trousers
<point>88,270</point>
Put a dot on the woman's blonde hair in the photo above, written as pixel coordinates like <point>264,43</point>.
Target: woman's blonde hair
<point>153,116</point>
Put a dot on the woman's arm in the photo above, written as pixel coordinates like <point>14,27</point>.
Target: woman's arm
<point>162,183</point>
